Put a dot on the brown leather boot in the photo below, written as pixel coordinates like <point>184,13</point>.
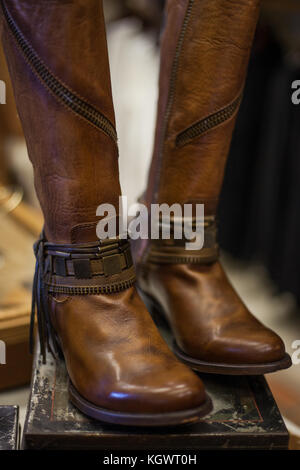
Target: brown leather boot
<point>121,371</point>
<point>205,52</point>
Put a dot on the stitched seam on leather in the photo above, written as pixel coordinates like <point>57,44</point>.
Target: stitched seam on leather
<point>209,123</point>
<point>59,301</point>
<point>68,90</point>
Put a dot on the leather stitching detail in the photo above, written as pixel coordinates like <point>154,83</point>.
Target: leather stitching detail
<point>209,123</point>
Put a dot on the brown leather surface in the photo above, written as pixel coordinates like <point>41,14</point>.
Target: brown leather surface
<point>208,319</point>
<point>211,74</point>
<point>114,354</point>
<point>62,146</point>
<point>174,16</point>
<point>117,359</point>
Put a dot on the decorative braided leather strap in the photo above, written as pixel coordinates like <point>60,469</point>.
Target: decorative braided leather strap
<point>103,267</point>
<point>174,251</point>
<point>93,268</point>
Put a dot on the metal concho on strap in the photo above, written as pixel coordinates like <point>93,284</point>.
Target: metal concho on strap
<point>174,251</point>
<point>102,267</point>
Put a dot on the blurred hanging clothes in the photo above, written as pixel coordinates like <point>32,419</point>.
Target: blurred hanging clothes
<point>260,204</point>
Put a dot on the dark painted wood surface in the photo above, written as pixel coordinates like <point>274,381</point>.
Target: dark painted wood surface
<point>244,416</point>
<point>9,426</point>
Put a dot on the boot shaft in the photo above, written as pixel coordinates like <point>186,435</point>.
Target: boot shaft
<point>58,62</point>
<point>204,57</point>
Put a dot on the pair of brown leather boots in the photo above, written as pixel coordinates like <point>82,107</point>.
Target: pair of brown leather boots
<point>121,371</point>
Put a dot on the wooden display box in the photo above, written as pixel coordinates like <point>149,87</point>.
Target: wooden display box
<point>9,428</point>
<point>245,416</point>
<point>14,331</point>
<point>19,230</point>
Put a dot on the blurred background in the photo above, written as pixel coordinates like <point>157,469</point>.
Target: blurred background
<point>260,202</point>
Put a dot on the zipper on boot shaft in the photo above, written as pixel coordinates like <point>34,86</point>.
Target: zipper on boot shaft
<point>55,86</point>
<point>208,123</point>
